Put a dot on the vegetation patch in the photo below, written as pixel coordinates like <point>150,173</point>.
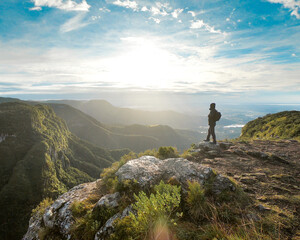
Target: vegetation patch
<point>282,125</point>
<point>154,212</point>
<point>88,219</point>
<point>40,209</point>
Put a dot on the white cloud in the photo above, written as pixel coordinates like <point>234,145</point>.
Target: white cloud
<point>165,6</point>
<point>295,13</point>
<point>144,9</point>
<point>192,13</point>
<point>293,55</point>
<point>201,24</point>
<point>157,11</point>
<point>74,23</point>
<point>67,5</point>
<point>104,9</point>
<point>127,4</point>
<point>176,12</point>
<point>76,71</point>
<point>293,5</point>
<point>35,9</point>
<point>94,18</point>
<point>160,9</point>
<point>155,19</point>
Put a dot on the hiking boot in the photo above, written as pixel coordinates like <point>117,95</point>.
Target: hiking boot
<point>206,140</point>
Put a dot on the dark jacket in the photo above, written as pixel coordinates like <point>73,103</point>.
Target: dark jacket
<point>212,117</point>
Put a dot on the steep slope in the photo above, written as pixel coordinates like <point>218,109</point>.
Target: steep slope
<point>261,199</point>
<point>39,158</point>
<point>282,125</point>
<point>106,113</point>
<point>136,137</point>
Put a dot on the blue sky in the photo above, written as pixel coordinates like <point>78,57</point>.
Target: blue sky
<point>232,50</point>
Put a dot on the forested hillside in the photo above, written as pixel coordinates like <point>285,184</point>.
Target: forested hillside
<point>40,158</point>
<point>282,125</point>
<point>135,137</point>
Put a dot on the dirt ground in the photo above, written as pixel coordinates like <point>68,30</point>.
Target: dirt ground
<point>269,171</point>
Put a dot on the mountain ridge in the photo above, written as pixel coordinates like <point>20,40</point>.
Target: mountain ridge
<point>136,137</point>
<point>281,125</point>
<point>107,113</point>
<point>40,158</point>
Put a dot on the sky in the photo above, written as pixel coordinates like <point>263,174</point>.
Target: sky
<point>206,50</point>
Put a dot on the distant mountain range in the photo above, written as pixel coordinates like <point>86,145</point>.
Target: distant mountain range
<point>40,157</point>
<point>106,113</point>
<point>135,137</point>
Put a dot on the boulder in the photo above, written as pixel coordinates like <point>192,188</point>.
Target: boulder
<point>109,200</point>
<point>225,145</point>
<point>208,146</point>
<point>59,214</point>
<point>148,171</point>
<point>222,183</point>
<point>108,227</point>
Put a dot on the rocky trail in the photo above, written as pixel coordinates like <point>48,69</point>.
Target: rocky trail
<point>269,171</point>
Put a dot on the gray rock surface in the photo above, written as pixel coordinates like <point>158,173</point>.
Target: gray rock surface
<point>59,214</point>
<point>208,146</point>
<point>109,200</point>
<point>108,227</point>
<point>148,171</point>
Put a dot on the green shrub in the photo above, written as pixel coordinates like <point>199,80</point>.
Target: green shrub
<point>167,152</point>
<point>40,209</point>
<point>128,187</point>
<point>156,210</point>
<point>148,152</point>
<point>85,227</point>
<point>109,180</point>
<point>196,201</point>
<point>87,219</point>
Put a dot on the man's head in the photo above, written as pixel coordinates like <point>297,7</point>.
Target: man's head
<point>212,106</point>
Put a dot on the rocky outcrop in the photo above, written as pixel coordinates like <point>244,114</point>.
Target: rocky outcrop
<point>58,215</point>
<point>108,227</point>
<point>146,171</point>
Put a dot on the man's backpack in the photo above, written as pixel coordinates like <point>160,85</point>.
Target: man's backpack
<point>218,116</point>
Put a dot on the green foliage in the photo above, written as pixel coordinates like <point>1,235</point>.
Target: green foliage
<point>150,211</point>
<point>148,152</point>
<point>85,228</point>
<point>282,125</point>
<point>109,180</point>
<point>196,201</point>
<point>88,219</point>
<point>39,158</point>
<point>189,153</point>
<point>167,152</point>
<point>40,209</point>
<point>161,153</point>
<point>128,187</point>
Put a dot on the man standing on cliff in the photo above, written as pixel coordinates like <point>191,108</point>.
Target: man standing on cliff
<point>213,117</point>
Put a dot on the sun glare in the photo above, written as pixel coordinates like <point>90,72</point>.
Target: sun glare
<point>144,64</point>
